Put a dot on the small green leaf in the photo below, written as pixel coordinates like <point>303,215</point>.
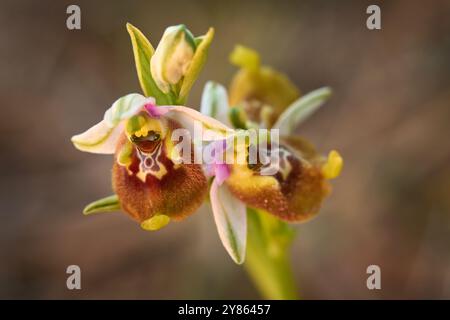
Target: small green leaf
<point>143,51</point>
<point>107,204</point>
<point>196,66</point>
<point>301,109</point>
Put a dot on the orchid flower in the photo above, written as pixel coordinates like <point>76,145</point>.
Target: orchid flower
<point>150,183</point>
<point>261,95</point>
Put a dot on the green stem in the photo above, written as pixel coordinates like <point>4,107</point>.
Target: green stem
<point>267,259</point>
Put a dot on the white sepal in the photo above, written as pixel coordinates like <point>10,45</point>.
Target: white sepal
<point>230,216</point>
<point>215,102</point>
<point>103,137</point>
<point>300,110</point>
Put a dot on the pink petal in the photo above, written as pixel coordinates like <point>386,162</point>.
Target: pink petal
<point>222,172</point>
<point>155,111</point>
<point>210,170</point>
<point>217,167</point>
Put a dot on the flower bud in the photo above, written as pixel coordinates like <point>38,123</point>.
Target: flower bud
<point>172,57</point>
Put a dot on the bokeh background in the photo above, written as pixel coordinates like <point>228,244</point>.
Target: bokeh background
<point>389,117</point>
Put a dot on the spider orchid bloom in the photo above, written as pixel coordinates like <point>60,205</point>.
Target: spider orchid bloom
<point>151,184</point>
<point>295,192</point>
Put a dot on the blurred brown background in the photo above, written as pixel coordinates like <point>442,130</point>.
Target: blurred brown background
<point>390,118</point>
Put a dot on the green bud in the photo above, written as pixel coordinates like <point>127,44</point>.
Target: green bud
<point>172,57</point>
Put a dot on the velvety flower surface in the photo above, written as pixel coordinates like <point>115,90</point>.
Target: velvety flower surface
<point>147,176</point>
<point>150,183</point>
<point>294,193</point>
<point>263,98</point>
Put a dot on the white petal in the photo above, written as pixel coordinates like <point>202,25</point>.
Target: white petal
<point>215,102</point>
<point>231,221</point>
<point>101,138</point>
<point>125,107</point>
<point>300,110</point>
<point>212,129</point>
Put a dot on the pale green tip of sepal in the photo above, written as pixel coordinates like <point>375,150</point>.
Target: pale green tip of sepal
<point>108,204</point>
<point>198,61</point>
<point>155,223</point>
<point>301,109</point>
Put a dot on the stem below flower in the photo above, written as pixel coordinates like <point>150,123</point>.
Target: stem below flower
<point>267,259</point>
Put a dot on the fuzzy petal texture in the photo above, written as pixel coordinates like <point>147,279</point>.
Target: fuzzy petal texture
<point>294,194</point>
<point>179,193</point>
